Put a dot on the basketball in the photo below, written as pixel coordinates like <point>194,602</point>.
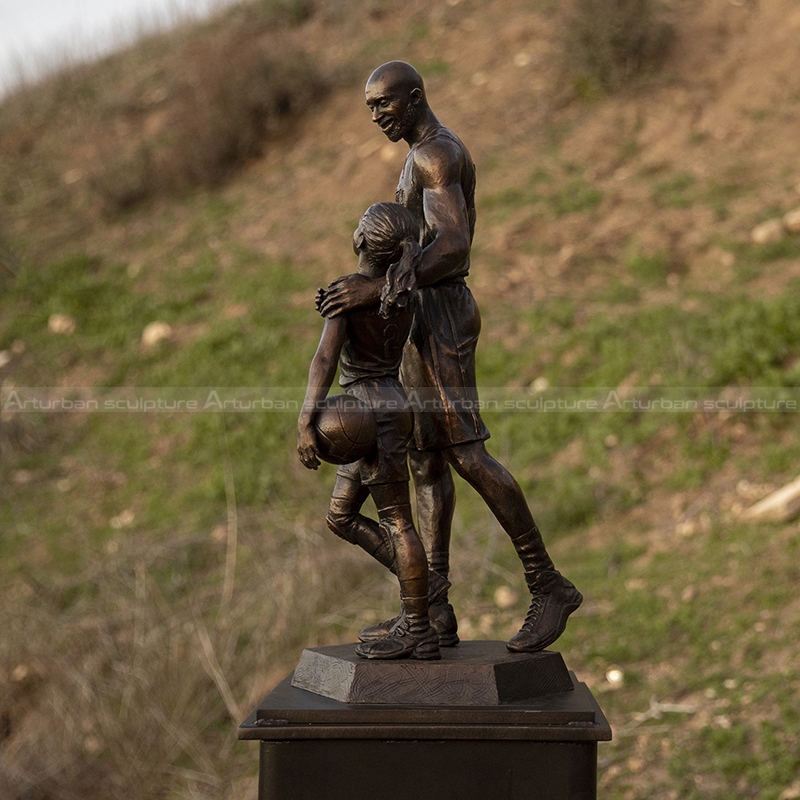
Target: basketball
<point>345,429</point>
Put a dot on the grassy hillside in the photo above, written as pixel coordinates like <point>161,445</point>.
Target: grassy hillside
<point>161,570</point>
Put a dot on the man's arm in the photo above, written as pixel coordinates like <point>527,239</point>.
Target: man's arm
<point>437,172</point>
<point>320,377</point>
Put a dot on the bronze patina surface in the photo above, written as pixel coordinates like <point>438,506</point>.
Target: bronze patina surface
<point>473,674</point>
<point>437,185</point>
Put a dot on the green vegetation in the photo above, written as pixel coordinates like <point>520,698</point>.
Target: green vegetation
<point>674,192</point>
<point>575,194</point>
<point>165,569</point>
<point>674,608</point>
<point>652,269</point>
<point>173,563</point>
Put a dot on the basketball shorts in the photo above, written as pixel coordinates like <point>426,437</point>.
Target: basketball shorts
<point>387,461</point>
<point>438,368</point>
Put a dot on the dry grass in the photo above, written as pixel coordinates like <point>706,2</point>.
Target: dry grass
<point>228,96</point>
<point>145,661</point>
<point>142,666</point>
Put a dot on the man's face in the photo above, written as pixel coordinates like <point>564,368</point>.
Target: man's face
<point>392,110</point>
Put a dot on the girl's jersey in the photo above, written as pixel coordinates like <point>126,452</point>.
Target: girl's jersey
<point>373,346</point>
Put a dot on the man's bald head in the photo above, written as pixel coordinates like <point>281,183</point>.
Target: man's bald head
<point>398,76</point>
<point>395,95</point>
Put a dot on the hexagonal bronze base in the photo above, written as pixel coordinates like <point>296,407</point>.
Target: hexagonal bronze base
<point>473,674</point>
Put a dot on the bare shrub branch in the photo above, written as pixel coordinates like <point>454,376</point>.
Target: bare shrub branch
<point>608,42</point>
<point>227,95</point>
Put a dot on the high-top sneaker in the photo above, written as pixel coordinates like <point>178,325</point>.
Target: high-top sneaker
<point>553,599</point>
<point>441,613</point>
<point>412,637</point>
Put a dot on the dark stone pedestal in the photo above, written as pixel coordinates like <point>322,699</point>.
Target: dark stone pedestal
<point>526,748</point>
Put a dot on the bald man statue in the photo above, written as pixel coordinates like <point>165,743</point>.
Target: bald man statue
<point>437,184</point>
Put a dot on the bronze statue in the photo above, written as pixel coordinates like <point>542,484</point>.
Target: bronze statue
<point>368,344</point>
<point>437,185</point>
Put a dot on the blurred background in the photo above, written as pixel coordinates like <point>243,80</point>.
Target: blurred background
<point>170,206</point>
<point>42,35</point>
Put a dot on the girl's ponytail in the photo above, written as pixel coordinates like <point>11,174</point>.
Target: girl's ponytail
<point>401,279</point>
<point>391,237</point>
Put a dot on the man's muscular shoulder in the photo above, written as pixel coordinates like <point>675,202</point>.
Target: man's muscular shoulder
<point>440,161</point>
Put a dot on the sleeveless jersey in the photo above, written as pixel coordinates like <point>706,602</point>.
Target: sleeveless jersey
<point>373,346</point>
<point>409,192</point>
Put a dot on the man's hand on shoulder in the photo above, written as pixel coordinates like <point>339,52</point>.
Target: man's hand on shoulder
<point>319,299</point>
<point>348,293</point>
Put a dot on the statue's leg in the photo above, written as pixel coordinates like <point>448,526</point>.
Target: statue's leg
<point>554,598</point>
<point>435,492</point>
<point>436,500</point>
<point>347,523</point>
<point>412,635</point>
